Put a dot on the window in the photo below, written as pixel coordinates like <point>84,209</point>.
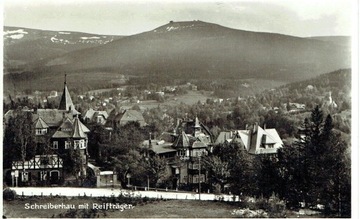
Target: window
<point>82,144</point>
<point>76,144</point>
<point>55,144</point>
<point>181,153</point>
<point>184,179</point>
<point>202,178</point>
<point>40,131</point>
<point>67,144</point>
<point>42,175</point>
<point>25,177</point>
<point>195,179</point>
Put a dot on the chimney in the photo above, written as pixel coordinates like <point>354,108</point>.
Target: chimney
<point>255,127</point>
<point>150,145</point>
<point>263,140</point>
<point>264,126</point>
<point>246,126</point>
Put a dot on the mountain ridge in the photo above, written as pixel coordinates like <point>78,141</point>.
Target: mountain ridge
<point>197,49</point>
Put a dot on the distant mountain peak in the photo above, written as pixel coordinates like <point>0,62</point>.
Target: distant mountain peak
<point>182,25</point>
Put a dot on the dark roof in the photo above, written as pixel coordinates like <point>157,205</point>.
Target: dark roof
<point>182,140</point>
<point>66,101</point>
<point>198,144</point>
<point>190,126</point>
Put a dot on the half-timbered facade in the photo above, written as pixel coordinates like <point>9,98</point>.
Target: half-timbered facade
<point>41,169</point>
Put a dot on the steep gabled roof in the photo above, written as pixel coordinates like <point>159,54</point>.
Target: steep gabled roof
<point>243,137</point>
<point>272,138</point>
<point>41,124</point>
<point>89,114</point>
<point>78,129</point>
<point>65,130</point>
<point>130,116</point>
<point>223,137</point>
<point>182,140</point>
<point>71,129</point>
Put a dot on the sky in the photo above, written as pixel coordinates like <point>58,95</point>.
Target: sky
<point>302,18</point>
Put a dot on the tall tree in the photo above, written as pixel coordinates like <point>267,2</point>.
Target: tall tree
<point>155,169</point>
<point>218,171</point>
<point>240,163</point>
<point>320,173</point>
<point>19,137</point>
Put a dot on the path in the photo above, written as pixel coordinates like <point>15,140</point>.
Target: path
<point>108,192</point>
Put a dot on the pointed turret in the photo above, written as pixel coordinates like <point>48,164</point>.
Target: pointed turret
<point>183,140</point>
<point>66,102</point>
<point>79,132</point>
<point>197,123</point>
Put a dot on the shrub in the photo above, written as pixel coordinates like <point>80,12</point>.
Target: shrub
<point>9,194</point>
<point>272,207</point>
<point>275,207</point>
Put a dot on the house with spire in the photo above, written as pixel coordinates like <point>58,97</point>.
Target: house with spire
<point>188,143</point>
<point>59,130</point>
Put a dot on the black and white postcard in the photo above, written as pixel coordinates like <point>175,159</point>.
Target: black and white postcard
<point>179,109</point>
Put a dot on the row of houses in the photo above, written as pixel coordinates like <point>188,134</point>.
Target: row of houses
<point>191,141</point>
<point>183,148</point>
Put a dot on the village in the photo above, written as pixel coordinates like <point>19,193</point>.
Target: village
<point>187,143</point>
<point>203,147</point>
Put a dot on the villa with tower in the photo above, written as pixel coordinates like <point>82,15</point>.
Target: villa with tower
<point>61,134</point>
